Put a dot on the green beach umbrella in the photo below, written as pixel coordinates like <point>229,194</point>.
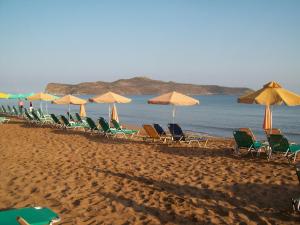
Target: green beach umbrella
<point>21,96</point>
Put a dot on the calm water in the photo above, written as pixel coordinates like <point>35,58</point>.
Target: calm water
<point>216,115</point>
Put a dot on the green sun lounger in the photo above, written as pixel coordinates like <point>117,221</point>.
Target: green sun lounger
<point>40,119</point>
<point>3,109</point>
<point>244,140</point>
<point>57,122</point>
<point>126,131</point>
<point>92,126</point>
<point>15,111</point>
<point>280,144</point>
<point>4,120</point>
<point>110,131</point>
<point>70,124</point>
<point>31,215</point>
<point>10,110</point>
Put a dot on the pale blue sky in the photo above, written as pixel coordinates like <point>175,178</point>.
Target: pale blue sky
<point>231,43</point>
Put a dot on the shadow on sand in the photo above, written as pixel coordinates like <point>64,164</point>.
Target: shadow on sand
<point>252,200</point>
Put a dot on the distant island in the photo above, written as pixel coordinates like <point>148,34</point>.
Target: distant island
<point>142,86</point>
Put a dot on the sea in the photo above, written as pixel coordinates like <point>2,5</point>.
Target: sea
<point>216,115</point>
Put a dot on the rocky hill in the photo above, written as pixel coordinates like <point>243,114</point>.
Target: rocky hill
<point>141,86</point>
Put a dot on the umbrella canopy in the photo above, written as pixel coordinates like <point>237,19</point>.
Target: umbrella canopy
<point>173,98</point>
<point>42,97</point>
<point>82,111</point>
<point>271,94</point>
<point>110,97</point>
<point>114,113</point>
<point>69,99</point>
<point>16,96</point>
<point>3,95</point>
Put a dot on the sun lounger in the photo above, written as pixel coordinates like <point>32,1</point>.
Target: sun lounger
<point>81,121</point>
<point>244,139</point>
<point>10,110</point>
<point>15,111</point>
<point>3,109</point>
<point>70,124</point>
<point>154,136</point>
<point>92,125</point>
<point>159,129</point>
<point>41,120</point>
<point>179,136</point>
<point>126,131</point>
<point>110,131</point>
<point>29,117</point>
<point>69,115</point>
<point>272,131</point>
<point>4,120</point>
<point>57,122</point>
<point>30,215</point>
<point>280,144</point>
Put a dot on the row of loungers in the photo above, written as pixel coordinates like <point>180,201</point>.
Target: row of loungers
<point>276,143</point>
<point>244,137</point>
<point>155,132</point>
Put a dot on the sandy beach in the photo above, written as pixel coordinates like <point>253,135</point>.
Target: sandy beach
<point>94,180</point>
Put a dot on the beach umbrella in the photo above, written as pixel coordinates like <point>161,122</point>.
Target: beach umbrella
<point>82,112</point>
<point>110,98</point>
<point>271,94</point>
<point>19,96</point>
<point>42,97</point>
<point>114,113</point>
<point>174,98</point>
<point>4,95</point>
<point>267,125</point>
<point>69,100</point>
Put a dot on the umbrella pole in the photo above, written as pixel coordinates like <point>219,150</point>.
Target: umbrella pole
<point>69,112</point>
<point>173,114</point>
<point>109,114</point>
<point>271,118</point>
<point>47,108</point>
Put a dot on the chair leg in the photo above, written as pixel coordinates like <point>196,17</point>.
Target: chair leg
<point>295,157</point>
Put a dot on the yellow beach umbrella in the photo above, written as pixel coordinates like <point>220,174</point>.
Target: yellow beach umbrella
<point>174,98</point>
<point>42,97</point>
<point>69,100</point>
<point>267,124</point>
<point>3,95</point>
<point>110,97</point>
<point>271,94</point>
<point>82,112</point>
<point>114,113</point>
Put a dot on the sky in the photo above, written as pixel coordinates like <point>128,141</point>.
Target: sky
<point>223,42</point>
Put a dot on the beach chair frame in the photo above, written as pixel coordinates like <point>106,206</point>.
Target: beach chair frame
<point>179,136</point>
<point>244,139</point>
<point>280,144</point>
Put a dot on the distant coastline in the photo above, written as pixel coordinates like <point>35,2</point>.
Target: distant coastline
<point>142,86</point>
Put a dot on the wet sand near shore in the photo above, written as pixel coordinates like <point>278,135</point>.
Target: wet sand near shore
<point>90,179</point>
